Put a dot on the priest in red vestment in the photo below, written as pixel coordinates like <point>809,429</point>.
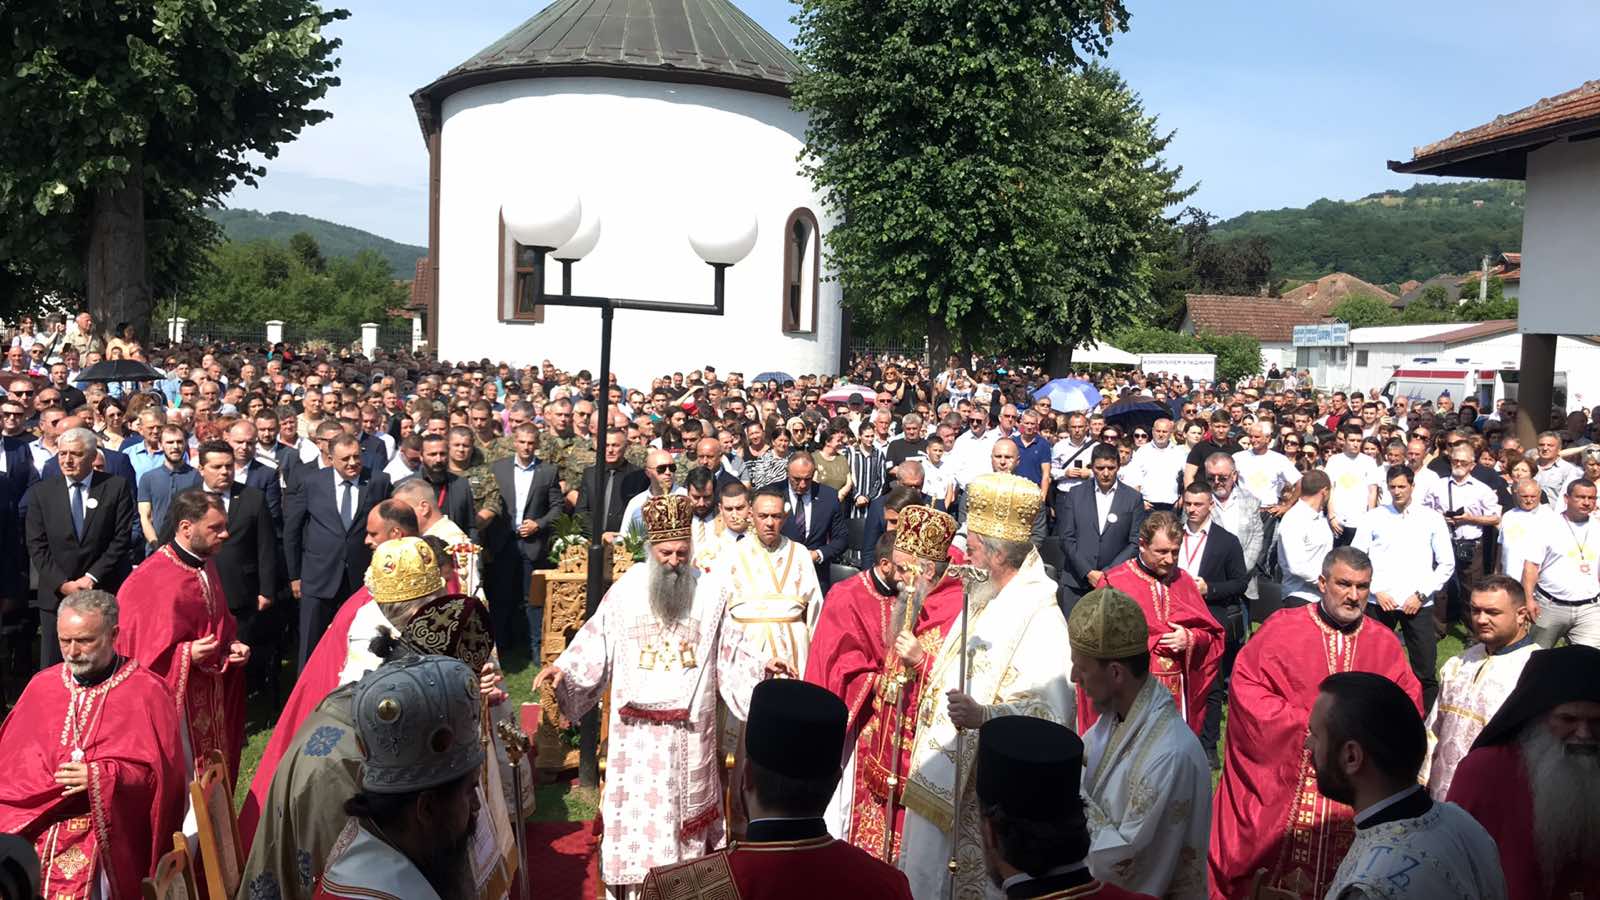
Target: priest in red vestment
<point>389,520</point>
<point>1186,641</point>
<point>883,705</point>
<point>793,741</point>
<point>1532,779</point>
<point>1267,812</point>
<point>176,623</point>
<point>94,777</point>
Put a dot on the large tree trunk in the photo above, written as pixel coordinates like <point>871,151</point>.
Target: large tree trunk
<point>939,341</point>
<point>1058,360</point>
<point>114,265</point>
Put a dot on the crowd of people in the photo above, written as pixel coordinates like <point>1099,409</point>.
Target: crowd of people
<point>957,641</point>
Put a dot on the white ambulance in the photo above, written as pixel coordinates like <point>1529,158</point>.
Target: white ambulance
<point>1486,382</point>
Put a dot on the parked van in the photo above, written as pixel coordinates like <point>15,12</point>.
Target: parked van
<point>1487,383</point>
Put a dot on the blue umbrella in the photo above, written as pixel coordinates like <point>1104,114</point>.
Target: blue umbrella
<point>1069,395</point>
<point>779,377</point>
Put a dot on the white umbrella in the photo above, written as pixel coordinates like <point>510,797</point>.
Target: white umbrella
<point>844,392</point>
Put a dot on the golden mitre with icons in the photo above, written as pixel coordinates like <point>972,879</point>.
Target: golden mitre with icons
<point>667,518</point>
<point>925,533</point>
<point>1108,624</point>
<point>403,569</point>
<point>1001,505</point>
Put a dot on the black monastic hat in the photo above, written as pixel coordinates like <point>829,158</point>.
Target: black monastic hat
<point>1551,678</point>
<point>1028,767</point>
<point>796,729</point>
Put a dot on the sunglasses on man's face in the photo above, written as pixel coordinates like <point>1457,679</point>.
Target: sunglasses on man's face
<point>662,469</point>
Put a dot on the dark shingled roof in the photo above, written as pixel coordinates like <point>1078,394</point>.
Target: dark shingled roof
<point>686,41</point>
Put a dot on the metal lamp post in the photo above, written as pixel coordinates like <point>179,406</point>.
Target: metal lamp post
<point>551,223</point>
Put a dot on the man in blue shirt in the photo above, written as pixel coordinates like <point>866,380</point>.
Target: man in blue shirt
<point>1033,451</point>
<point>158,486</point>
<point>144,447</point>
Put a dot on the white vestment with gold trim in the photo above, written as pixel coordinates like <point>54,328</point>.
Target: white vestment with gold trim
<point>1147,795</point>
<point>1018,665</point>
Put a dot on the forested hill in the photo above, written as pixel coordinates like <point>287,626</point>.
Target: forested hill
<point>336,240</point>
<point>1390,237</point>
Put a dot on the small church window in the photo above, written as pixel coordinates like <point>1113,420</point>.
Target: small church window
<point>516,268</point>
<point>802,257</point>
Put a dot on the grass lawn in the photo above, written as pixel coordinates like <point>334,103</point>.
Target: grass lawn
<point>564,801</point>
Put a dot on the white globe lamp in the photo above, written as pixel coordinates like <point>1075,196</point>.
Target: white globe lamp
<point>722,237</point>
<point>582,242</point>
<point>545,217</point>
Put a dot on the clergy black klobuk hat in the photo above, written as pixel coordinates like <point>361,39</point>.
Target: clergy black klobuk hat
<point>1551,677</point>
<point>796,729</point>
<point>1028,767</point>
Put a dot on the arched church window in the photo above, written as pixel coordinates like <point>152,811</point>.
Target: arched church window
<point>802,258</point>
<point>516,269</point>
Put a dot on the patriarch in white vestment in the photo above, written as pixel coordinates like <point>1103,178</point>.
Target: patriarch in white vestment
<point>1017,665</point>
<point>661,642</point>
<point>1146,782</point>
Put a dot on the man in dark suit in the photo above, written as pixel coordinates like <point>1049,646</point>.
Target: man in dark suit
<point>324,536</point>
<point>80,527</point>
<point>624,480</point>
<point>1101,530</point>
<point>530,503</point>
<point>250,471</point>
<point>908,474</point>
<point>452,493</point>
<point>1215,559</point>
<point>815,518</point>
<point>248,559</point>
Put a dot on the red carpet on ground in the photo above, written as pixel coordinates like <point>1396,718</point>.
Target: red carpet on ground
<point>563,860</point>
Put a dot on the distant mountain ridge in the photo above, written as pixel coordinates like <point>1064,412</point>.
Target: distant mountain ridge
<point>1391,236</point>
<point>335,240</point>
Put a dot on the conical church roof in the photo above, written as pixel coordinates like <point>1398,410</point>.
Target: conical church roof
<point>686,41</point>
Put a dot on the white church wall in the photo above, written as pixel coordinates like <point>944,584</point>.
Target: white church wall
<point>646,155</point>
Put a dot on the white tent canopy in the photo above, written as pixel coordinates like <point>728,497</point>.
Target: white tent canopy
<point>1103,354</point>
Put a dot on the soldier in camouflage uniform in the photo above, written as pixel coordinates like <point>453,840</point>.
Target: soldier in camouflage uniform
<point>493,444</point>
<point>467,461</point>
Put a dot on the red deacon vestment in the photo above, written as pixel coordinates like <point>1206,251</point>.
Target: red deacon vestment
<point>1187,674</point>
<point>1268,812</point>
<point>779,870</point>
<point>166,605</point>
<point>128,730</point>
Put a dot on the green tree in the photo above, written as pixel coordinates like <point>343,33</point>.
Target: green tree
<point>1363,310</point>
<point>251,282</point>
<point>137,114</point>
<point>943,139</point>
<point>307,250</point>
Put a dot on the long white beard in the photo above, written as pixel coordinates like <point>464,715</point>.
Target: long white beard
<point>671,590</point>
<point>979,593</point>
<point>1566,800</point>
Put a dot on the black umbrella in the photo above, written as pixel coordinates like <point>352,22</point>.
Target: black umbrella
<point>119,370</point>
<point>1134,412</point>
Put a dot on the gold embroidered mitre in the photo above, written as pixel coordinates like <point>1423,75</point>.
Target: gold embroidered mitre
<point>667,518</point>
<point>925,533</point>
<point>1000,505</point>
<point>1108,624</point>
<point>403,569</point>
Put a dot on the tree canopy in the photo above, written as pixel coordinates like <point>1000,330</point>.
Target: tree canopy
<point>136,114</point>
<point>986,183</point>
<point>254,281</point>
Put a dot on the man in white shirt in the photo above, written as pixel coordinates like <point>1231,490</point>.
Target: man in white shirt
<point>1562,582</point>
<point>1412,559</point>
<point>1304,538</point>
<point>1355,479</point>
<point>1522,528</point>
<point>1069,464</point>
<point>1551,471</point>
<point>970,456</point>
<point>1468,506</point>
<point>1268,475</point>
<point>1157,467</point>
<point>662,470</point>
<point>1417,459</point>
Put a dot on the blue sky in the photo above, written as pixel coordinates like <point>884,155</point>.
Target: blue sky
<point>1274,103</point>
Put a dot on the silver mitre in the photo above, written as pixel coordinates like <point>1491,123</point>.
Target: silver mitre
<point>417,720</point>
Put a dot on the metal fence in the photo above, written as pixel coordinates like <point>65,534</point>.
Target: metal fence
<point>223,333</point>
<point>907,350</point>
<point>394,337</point>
